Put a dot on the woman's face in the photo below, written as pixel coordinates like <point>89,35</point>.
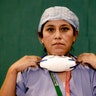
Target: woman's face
<point>58,37</point>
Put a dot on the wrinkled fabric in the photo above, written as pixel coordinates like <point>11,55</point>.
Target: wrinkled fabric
<point>59,13</point>
<point>37,82</point>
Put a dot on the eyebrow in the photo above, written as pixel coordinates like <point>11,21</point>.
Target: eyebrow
<point>50,25</point>
<point>65,25</point>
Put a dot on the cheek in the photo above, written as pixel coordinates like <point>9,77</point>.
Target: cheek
<point>69,37</point>
<point>46,40</point>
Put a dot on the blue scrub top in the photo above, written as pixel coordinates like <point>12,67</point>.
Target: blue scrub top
<point>37,82</point>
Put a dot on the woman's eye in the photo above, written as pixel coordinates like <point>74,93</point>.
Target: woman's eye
<point>64,29</point>
<point>50,29</point>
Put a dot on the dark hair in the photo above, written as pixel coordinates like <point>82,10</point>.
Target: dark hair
<point>40,34</point>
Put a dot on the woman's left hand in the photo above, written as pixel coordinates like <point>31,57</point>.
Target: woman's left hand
<point>87,59</point>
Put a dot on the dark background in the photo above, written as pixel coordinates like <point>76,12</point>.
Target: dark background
<point>19,22</point>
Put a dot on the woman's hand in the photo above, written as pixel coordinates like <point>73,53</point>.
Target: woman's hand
<point>24,63</point>
<point>87,59</point>
<point>9,86</point>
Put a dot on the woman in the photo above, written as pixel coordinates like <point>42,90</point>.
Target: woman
<point>58,30</point>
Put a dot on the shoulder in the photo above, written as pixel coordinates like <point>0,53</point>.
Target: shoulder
<point>31,73</point>
<point>84,70</point>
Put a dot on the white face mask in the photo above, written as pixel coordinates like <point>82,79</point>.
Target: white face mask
<point>57,63</point>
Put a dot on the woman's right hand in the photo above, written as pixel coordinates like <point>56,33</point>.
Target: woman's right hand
<point>9,86</point>
<point>24,63</point>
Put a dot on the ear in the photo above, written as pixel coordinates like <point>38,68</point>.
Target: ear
<point>75,36</point>
<point>40,39</point>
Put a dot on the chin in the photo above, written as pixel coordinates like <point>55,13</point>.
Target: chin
<point>58,53</point>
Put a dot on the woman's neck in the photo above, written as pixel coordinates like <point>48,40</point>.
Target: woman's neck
<point>62,76</point>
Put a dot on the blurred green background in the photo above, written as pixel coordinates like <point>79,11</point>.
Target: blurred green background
<point>19,22</point>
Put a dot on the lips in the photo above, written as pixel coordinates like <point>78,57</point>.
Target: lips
<point>58,43</point>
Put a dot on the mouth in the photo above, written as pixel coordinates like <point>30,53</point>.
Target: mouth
<point>58,44</point>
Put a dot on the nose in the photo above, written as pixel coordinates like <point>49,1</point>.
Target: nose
<point>57,35</point>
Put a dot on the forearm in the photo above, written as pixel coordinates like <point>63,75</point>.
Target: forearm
<point>9,86</point>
